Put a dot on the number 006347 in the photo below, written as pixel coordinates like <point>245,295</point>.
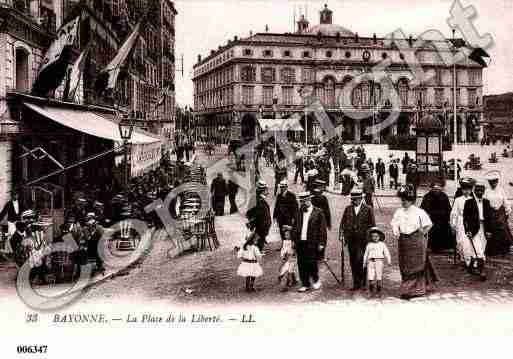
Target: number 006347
<point>32,349</point>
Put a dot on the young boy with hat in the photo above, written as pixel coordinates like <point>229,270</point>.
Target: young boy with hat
<point>375,254</point>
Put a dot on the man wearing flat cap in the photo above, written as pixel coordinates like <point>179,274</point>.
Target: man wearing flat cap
<point>357,219</point>
<point>286,208</point>
<point>320,201</point>
<point>310,239</point>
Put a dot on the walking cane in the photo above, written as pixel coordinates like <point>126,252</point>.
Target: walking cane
<point>325,261</point>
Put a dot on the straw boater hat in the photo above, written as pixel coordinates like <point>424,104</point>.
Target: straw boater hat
<point>91,218</point>
<point>493,175</point>
<point>467,182</point>
<point>356,193</point>
<point>407,192</point>
<point>480,183</point>
<point>365,167</point>
<point>304,196</point>
<point>378,231</point>
<point>284,183</point>
<point>286,228</point>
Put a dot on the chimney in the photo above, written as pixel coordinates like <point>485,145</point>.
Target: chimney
<point>356,37</point>
<point>212,52</point>
<point>235,38</point>
<point>199,58</point>
<point>410,41</point>
<point>374,39</point>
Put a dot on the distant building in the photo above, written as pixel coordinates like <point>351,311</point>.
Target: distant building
<point>498,116</point>
<point>241,77</point>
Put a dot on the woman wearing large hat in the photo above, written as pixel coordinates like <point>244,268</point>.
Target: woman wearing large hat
<point>410,226</point>
<point>501,239</point>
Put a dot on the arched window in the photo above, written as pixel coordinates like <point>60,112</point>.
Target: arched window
<point>22,70</point>
<point>404,89</point>
<point>288,75</point>
<point>329,91</point>
<point>356,96</point>
<point>377,93</point>
<point>365,94</point>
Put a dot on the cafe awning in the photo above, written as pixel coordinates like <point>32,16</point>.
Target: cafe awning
<point>280,124</point>
<point>89,123</point>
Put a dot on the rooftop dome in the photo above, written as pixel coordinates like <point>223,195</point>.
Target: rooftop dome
<point>330,30</point>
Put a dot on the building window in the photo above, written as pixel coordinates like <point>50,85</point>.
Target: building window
<point>439,97</point>
<point>365,94</point>
<point>288,75</point>
<point>403,92</point>
<point>376,92</point>
<point>458,97</point>
<point>474,77</point>
<point>356,96</point>
<point>247,52</point>
<point>306,54</point>
<point>267,95</point>
<point>329,92</point>
<point>287,53</point>
<point>22,70</point>
<point>438,77</point>
<point>268,74</point>
<point>307,75</point>
<point>329,54</point>
<point>247,95</point>
<point>421,95</point>
<point>384,55</point>
<point>401,56</point>
<point>268,53</point>
<point>348,54</point>
<point>288,95</point>
<point>472,97</point>
<point>248,74</point>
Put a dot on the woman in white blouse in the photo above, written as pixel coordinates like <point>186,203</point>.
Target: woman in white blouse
<point>410,226</point>
<point>501,239</point>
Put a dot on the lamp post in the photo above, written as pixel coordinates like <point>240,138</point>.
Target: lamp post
<point>275,103</point>
<point>126,128</point>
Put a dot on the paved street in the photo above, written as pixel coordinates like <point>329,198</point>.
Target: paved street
<point>209,277</point>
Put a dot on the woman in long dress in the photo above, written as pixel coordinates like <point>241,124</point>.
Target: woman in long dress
<point>501,239</point>
<point>410,226</point>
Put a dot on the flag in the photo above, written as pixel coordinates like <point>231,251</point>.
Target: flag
<point>108,77</point>
<point>477,55</point>
<point>76,73</point>
<point>55,63</point>
<point>165,92</point>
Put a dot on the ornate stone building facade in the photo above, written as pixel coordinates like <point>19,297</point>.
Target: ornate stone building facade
<point>238,82</point>
<point>27,28</point>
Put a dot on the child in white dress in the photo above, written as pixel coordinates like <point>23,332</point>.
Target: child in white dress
<point>375,255</point>
<point>249,255</point>
<point>288,267</point>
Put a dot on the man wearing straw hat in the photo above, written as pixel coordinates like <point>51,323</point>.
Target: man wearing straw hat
<point>262,214</point>
<point>310,238</point>
<point>357,219</point>
<point>286,208</point>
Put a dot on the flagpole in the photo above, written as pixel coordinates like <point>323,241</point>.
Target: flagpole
<point>455,122</point>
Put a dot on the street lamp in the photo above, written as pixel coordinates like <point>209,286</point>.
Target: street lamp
<point>126,128</point>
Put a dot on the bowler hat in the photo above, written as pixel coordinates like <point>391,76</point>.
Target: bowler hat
<point>356,193</point>
<point>304,195</point>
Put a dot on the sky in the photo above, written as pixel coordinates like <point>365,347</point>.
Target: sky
<point>202,25</point>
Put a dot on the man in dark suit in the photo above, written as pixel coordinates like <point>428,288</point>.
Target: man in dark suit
<point>218,191</point>
<point>393,170</point>
<point>262,214</point>
<point>285,209</point>
<point>299,167</point>
<point>477,223</point>
<point>356,220</point>
<point>310,240</point>
<point>380,173</point>
<point>320,201</point>
<point>12,210</point>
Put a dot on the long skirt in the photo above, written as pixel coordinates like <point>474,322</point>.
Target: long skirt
<point>501,238</point>
<point>417,271</point>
